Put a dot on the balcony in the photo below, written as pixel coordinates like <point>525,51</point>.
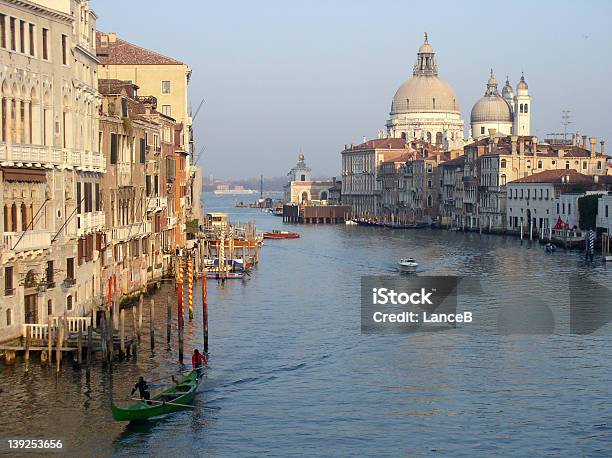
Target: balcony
<point>124,174</point>
<point>31,240</point>
<point>49,156</point>
<point>156,204</point>
<point>88,223</point>
<point>131,231</point>
<point>171,221</point>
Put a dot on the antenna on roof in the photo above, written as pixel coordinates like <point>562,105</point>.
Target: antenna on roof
<point>197,111</point>
<point>566,121</point>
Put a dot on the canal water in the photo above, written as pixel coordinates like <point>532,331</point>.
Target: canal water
<point>291,375</point>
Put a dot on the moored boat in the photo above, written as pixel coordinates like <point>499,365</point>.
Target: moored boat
<point>281,235</point>
<point>228,275</point>
<point>172,399</point>
<point>408,265</point>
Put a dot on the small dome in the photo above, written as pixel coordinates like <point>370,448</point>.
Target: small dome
<point>507,92</point>
<point>492,81</point>
<point>522,84</point>
<point>491,109</point>
<point>426,47</point>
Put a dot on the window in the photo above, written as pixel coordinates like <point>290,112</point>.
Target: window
<point>557,208</point>
<point>64,50</point>
<point>303,178</point>
<point>114,145</point>
<point>148,185</point>
<point>598,165</point>
<point>503,164</point>
<point>45,44</point>
<point>3,30</point>
<point>503,180</point>
<point>49,274</point>
<point>167,110</point>
<point>547,194</point>
<point>569,209</point>
<point>69,302</point>
<point>584,165</point>
<point>429,184</point>
<point>70,268</point>
<point>540,165</point>
<point>165,89</point>
<point>22,36</point>
<point>88,198</point>
<point>142,151</point>
<point>78,197</point>
<point>98,206</point>
<point>13,41</point>
<point>482,131</point>
<point>9,290</point>
<point>526,108</point>
<point>49,307</point>
<point>528,163</point>
<point>606,211</point>
<point>521,108</point>
<point>31,35</point>
<point>563,207</point>
<point>567,164</point>
<point>9,317</point>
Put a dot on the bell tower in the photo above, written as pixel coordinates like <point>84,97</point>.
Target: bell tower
<point>522,109</point>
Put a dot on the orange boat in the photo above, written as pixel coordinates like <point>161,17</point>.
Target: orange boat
<point>281,235</point>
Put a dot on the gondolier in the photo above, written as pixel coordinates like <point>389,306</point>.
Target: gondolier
<point>197,359</point>
<point>143,389</point>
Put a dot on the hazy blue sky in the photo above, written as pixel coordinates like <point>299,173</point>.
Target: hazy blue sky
<point>278,76</point>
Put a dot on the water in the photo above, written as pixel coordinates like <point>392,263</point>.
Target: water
<point>291,374</point>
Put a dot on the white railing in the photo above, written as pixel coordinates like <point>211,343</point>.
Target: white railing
<point>90,222</point>
<point>31,240</point>
<point>156,203</point>
<point>131,231</point>
<point>41,331</point>
<point>41,155</point>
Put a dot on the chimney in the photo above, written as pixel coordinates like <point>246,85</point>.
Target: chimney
<point>592,140</point>
<point>561,152</point>
<point>104,40</point>
<point>513,140</point>
<point>602,143</point>
<point>584,137</point>
<point>534,146</point>
<point>112,37</point>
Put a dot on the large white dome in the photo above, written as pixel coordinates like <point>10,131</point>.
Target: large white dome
<point>423,94</point>
<point>491,109</point>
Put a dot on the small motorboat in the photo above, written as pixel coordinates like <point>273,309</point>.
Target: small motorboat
<point>350,222</point>
<point>550,248</point>
<point>408,265</point>
<point>281,235</point>
<point>225,275</point>
<point>177,397</point>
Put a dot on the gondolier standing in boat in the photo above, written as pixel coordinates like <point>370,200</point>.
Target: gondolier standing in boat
<point>196,361</point>
<point>143,389</point>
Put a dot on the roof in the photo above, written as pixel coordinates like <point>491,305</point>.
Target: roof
<point>458,161</point>
<point>394,157</point>
<point>121,52</point>
<point>382,143</point>
<point>556,176</point>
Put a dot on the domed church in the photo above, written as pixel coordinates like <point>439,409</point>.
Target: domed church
<point>426,106</point>
<point>507,113</point>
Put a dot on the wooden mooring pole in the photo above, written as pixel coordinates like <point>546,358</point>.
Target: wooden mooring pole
<point>58,343</point>
<point>27,348</point>
<point>89,344</point>
<point>140,304</point>
<point>49,340</point>
<point>122,333</point>
<point>205,312</point>
<point>152,324</point>
<point>168,321</point>
<point>80,344</point>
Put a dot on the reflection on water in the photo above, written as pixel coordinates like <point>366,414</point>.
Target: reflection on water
<point>291,374</point>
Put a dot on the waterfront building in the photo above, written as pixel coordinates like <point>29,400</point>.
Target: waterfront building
<point>604,213</point>
<point>389,176</point>
<point>139,192</point>
<point>451,195</point>
<point>167,80</point>
<point>507,113</point>
<point>361,188</point>
<point>425,107</point>
<point>50,164</point>
<point>494,161</point>
<point>301,189</point>
<point>538,202</point>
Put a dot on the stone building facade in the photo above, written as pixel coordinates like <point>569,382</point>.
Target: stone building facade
<point>50,164</point>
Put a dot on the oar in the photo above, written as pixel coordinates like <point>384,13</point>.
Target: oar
<point>163,402</point>
<point>175,404</point>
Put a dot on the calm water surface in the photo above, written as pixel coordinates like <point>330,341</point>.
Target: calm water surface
<point>291,374</point>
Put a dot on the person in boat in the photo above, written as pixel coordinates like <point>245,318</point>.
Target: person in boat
<point>197,359</point>
<point>143,389</point>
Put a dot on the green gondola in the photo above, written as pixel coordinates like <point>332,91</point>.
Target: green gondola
<point>170,400</point>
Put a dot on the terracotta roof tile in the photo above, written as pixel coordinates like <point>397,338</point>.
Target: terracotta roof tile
<point>556,176</point>
<point>121,52</point>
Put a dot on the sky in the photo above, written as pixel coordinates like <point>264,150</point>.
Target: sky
<point>278,77</point>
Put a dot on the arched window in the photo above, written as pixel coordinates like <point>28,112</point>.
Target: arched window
<point>14,218</point>
<point>69,302</point>
<point>429,137</point>
<point>503,164</point>
<point>503,180</point>
<point>567,164</point>
<point>404,135</point>
<point>526,108</point>
<point>429,201</point>
<point>439,138</point>
<point>24,217</point>
<point>49,307</point>
<point>9,317</point>
<point>434,103</point>
<point>521,107</point>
